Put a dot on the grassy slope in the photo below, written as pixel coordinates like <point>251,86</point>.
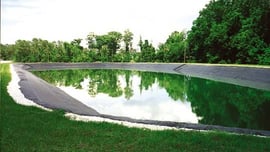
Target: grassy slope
<point>32,129</point>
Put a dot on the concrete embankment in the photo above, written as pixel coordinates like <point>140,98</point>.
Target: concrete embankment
<point>47,95</point>
<point>253,77</point>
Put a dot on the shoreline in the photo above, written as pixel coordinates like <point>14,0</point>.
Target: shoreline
<point>15,92</point>
<point>40,97</point>
<point>247,76</point>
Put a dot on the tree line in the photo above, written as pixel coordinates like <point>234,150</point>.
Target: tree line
<point>111,47</point>
<point>226,31</point>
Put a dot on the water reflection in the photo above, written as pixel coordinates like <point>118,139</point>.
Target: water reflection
<point>161,96</point>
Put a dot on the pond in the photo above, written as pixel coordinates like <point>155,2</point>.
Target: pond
<point>165,97</point>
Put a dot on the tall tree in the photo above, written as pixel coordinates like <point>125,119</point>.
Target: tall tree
<point>127,38</point>
<point>111,41</point>
<point>147,51</point>
<point>7,51</point>
<point>46,54</point>
<point>77,43</point>
<point>22,50</point>
<point>232,31</point>
<point>59,52</point>
<point>173,50</point>
<point>78,54</point>
<point>114,43</point>
<point>91,40</point>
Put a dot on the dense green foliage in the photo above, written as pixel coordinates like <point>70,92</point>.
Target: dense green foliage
<point>173,50</point>
<point>147,51</point>
<point>235,106</point>
<point>105,48</point>
<point>232,31</point>
<point>6,51</point>
<point>29,129</point>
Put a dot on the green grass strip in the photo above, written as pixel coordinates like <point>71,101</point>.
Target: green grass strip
<point>32,129</point>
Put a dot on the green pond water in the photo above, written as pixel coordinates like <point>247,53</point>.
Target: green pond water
<point>165,97</point>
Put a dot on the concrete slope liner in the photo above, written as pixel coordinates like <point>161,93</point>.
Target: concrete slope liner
<point>258,78</point>
<point>49,96</point>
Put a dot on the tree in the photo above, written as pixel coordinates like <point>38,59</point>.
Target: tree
<point>46,53</point>
<point>114,43</point>
<point>91,40</point>
<point>7,51</point>
<point>104,53</point>
<point>22,51</point>
<point>111,41</point>
<point>147,51</point>
<point>59,52</point>
<point>102,47</point>
<point>173,49</point>
<point>77,43</point>
<point>78,53</point>
<point>68,52</point>
<point>127,38</point>
<point>36,50</point>
<point>232,31</point>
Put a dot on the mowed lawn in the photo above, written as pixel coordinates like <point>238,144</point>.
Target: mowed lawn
<point>32,129</point>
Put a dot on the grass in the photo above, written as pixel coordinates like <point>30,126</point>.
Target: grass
<point>31,129</point>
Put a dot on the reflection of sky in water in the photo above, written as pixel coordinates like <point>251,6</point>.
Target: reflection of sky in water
<point>153,104</point>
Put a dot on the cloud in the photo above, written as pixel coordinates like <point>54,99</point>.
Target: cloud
<point>69,19</point>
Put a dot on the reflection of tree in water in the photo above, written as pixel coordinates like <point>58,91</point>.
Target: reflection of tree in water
<point>217,103</point>
<point>128,89</point>
<point>174,84</point>
<point>229,105</point>
<point>110,84</point>
<point>147,80</point>
<point>104,81</point>
<point>92,91</point>
<point>63,77</point>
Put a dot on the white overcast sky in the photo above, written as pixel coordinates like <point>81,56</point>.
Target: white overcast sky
<point>66,20</point>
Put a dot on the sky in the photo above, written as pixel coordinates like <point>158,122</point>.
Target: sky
<point>66,20</point>
<point>153,103</point>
